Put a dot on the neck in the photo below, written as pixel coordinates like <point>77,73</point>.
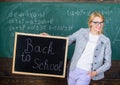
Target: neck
<point>94,33</point>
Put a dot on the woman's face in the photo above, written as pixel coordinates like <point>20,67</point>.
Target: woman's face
<point>97,25</point>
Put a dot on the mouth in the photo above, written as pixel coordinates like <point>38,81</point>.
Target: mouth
<point>98,28</point>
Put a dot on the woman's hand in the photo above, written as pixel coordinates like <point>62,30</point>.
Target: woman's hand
<point>92,74</point>
<point>44,34</point>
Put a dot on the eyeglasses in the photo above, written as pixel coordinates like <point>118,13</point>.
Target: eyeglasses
<point>98,23</point>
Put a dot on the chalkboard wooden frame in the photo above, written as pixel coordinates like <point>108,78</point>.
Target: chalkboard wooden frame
<point>21,63</point>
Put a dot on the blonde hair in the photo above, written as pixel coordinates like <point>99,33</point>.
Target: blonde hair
<point>93,15</point>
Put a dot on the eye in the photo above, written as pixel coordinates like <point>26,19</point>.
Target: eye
<point>97,23</point>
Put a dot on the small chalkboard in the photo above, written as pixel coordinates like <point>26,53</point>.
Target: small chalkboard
<point>40,56</point>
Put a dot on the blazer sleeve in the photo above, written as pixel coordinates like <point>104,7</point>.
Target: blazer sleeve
<point>72,38</point>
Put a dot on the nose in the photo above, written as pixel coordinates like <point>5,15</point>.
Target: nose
<point>99,24</point>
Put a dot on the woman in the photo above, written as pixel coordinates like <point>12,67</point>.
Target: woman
<point>92,54</point>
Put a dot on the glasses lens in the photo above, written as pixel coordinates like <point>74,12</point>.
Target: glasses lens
<point>97,23</point>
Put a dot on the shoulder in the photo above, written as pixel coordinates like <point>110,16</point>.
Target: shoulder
<point>81,31</point>
<point>84,30</point>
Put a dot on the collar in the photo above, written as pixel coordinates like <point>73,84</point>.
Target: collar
<point>101,39</point>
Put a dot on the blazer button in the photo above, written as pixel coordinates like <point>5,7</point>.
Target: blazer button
<point>96,49</point>
<point>102,42</point>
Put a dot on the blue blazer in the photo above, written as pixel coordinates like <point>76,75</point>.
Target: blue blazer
<point>102,53</point>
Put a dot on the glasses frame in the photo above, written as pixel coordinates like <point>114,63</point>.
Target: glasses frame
<point>98,23</point>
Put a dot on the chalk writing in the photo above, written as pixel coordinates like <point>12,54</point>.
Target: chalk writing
<point>38,49</point>
<point>60,28</point>
<point>117,36</point>
<point>78,12</point>
<point>26,57</point>
<point>81,12</point>
<point>45,66</point>
<point>33,21</point>
<point>26,14</point>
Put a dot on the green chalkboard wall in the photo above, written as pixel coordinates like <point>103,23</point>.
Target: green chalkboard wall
<point>59,19</point>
